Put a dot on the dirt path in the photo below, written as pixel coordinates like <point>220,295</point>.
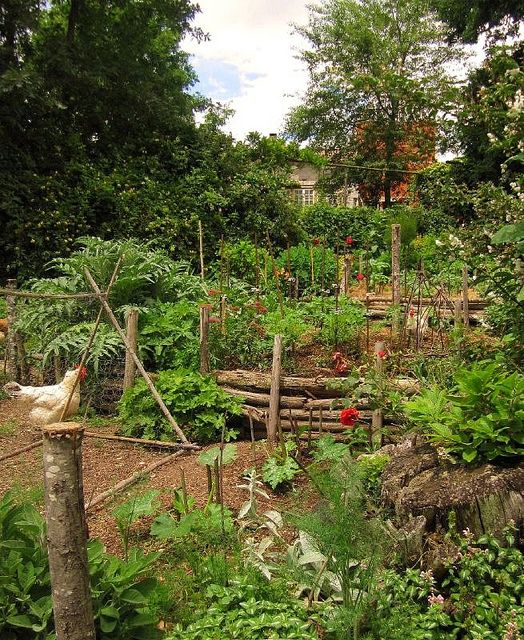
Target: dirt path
<point>107,462</point>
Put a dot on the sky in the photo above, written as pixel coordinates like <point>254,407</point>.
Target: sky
<point>248,63</point>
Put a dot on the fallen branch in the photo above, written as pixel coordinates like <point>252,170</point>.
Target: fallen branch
<point>17,452</point>
<point>138,475</point>
<point>146,443</point>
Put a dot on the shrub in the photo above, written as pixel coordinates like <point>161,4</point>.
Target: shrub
<point>196,402</point>
<point>482,418</point>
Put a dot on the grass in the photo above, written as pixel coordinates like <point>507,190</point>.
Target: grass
<point>8,427</point>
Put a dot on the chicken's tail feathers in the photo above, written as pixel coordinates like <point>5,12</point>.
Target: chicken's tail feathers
<point>13,389</point>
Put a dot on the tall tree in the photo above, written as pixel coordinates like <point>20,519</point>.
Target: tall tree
<point>468,19</point>
<point>378,84</point>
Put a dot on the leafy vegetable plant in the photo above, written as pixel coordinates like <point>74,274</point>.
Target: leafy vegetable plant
<point>196,402</point>
<point>481,419</point>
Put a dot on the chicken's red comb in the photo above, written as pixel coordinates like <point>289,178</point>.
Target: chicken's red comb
<point>83,372</point>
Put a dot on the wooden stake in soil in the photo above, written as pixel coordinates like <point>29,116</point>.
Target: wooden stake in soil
<point>10,351</point>
<point>395,263</point>
<point>204,339</point>
<point>131,333</point>
<point>465,295</point>
<point>66,532</point>
<point>377,418</point>
<point>139,365</point>
<point>274,395</point>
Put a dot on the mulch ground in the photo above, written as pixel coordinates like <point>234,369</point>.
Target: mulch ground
<point>107,462</point>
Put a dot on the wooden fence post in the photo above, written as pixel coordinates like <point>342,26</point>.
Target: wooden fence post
<point>395,263</point>
<point>465,295</point>
<point>204,340</point>
<point>131,334</point>
<point>274,394</point>
<point>66,531</point>
<point>377,418</point>
<point>10,351</point>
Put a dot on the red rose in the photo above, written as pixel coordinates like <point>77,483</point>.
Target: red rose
<point>349,240</point>
<point>360,277</point>
<point>348,417</point>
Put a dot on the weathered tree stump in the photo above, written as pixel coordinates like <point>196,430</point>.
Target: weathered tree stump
<point>484,499</point>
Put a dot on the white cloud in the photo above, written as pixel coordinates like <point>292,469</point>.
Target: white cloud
<point>255,38</point>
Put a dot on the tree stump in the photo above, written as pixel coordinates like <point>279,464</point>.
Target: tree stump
<point>485,499</point>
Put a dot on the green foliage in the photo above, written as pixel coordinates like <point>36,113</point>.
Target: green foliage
<point>129,512</point>
<point>478,596</point>
<point>241,260</point>
<point>196,402</point>
<point>348,540</point>
<point>326,449</point>
<point>280,468</point>
<point>482,418</point>
<point>370,468</point>
<point>227,455</point>
<point>241,611</point>
<point>297,261</point>
<point>207,524</point>
<point>168,335</point>
<point>120,589</point>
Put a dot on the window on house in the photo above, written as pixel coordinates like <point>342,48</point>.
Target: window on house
<point>305,196</point>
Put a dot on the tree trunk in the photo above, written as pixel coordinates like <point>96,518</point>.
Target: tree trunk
<point>66,532</point>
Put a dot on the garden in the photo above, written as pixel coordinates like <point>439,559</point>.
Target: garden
<point>232,405</point>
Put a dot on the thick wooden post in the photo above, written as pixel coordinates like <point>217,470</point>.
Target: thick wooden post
<point>465,295</point>
<point>10,351</point>
<point>66,531</point>
<point>395,263</point>
<point>204,339</point>
<point>131,334</point>
<point>377,418</point>
<point>274,394</point>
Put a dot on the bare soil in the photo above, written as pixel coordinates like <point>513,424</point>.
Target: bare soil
<point>108,462</point>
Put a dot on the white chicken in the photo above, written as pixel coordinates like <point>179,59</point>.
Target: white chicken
<point>48,402</point>
<point>416,323</point>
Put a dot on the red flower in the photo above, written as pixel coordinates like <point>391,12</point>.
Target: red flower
<point>382,354</point>
<point>214,292</point>
<point>360,277</point>
<point>349,240</point>
<point>348,417</point>
<point>316,241</point>
<point>411,312</point>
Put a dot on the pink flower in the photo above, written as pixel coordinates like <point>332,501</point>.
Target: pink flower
<point>433,599</point>
<point>348,417</point>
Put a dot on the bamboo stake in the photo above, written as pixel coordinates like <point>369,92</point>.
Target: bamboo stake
<point>138,475</point>
<point>139,365</point>
<point>131,333</point>
<point>204,339</point>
